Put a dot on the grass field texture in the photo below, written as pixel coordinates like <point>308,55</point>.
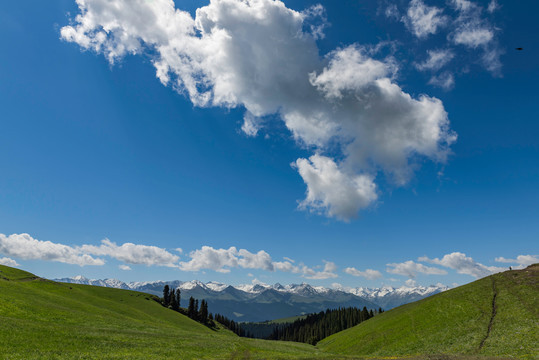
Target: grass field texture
<point>42,319</point>
<point>494,316</point>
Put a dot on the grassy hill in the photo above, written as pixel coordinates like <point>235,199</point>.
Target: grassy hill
<point>494,316</point>
<point>42,319</point>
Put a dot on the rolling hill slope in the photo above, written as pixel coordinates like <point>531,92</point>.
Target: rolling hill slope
<point>44,319</point>
<point>495,316</point>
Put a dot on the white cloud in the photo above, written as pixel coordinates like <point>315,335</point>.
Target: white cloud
<point>260,260</point>
<point>124,267</point>
<point>491,59</point>
<point>8,262</point>
<point>251,124</point>
<point>223,260</point>
<point>257,54</point>
<point>288,259</point>
<point>521,260</point>
<point>368,274</point>
<point>463,5</point>
<point>410,283</point>
<point>381,126</point>
<point>133,254</point>
<point>255,281</point>
<point>463,264</point>
<point>473,30</point>
<point>493,6</point>
<point>423,20</point>
<point>332,191</point>
<point>327,273</point>
<point>410,268</point>
<point>473,37</point>
<point>445,80</point>
<point>392,12</point>
<point>350,70</point>
<point>23,246</point>
<point>207,257</point>
<point>436,60</point>
<point>286,266</point>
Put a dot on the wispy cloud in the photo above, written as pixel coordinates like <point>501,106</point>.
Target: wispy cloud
<point>445,80</point>
<point>436,59</point>
<point>473,30</point>
<point>327,273</point>
<point>493,6</point>
<point>423,20</point>
<point>521,260</point>
<point>468,27</point>
<point>369,274</point>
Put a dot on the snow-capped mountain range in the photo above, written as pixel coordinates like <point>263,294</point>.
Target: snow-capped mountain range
<point>303,288</point>
<point>285,300</point>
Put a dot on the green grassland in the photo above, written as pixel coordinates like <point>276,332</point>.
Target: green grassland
<point>287,320</point>
<point>463,321</point>
<point>42,319</point>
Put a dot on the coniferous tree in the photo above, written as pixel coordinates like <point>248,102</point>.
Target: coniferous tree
<point>166,295</point>
<point>195,313</point>
<point>172,297</point>
<point>203,312</point>
<point>178,298</point>
<point>173,301</point>
<point>191,309</point>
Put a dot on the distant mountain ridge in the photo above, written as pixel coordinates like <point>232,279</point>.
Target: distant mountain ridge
<point>260,302</point>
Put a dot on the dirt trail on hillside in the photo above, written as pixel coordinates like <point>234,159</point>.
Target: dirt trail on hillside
<point>495,294</point>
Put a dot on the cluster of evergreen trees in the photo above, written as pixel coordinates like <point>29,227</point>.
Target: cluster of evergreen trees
<point>315,327</point>
<point>171,299</point>
<point>231,325</point>
<point>201,313</point>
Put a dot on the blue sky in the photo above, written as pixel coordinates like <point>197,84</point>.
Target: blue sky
<point>302,147</point>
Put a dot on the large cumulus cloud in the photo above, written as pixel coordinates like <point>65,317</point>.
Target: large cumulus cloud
<point>263,57</point>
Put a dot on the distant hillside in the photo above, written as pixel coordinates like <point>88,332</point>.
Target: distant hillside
<point>497,316</point>
<point>254,303</point>
<point>42,319</point>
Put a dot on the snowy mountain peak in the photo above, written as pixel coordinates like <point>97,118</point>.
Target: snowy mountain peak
<point>188,285</point>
